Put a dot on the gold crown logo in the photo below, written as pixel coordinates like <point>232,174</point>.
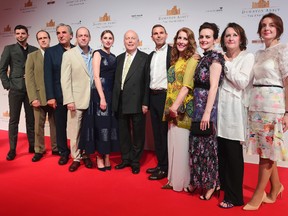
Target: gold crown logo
<point>7,28</point>
<point>5,114</point>
<point>173,11</point>
<point>104,18</point>
<point>28,4</point>
<point>261,4</point>
<point>140,43</point>
<point>51,23</point>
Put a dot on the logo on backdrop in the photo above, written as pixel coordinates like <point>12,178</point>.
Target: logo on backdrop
<point>261,4</point>
<point>173,11</point>
<point>104,22</point>
<point>259,8</point>
<point>173,15</point>
<point>6,114</point>
<point>73,3</point>
<point>6,31</point>
<point>215,10</point>
<point>50,2</point>
<point>28,7</point>
<point>50,24</point>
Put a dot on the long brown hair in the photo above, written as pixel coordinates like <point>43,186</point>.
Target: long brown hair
<point>191,47</point>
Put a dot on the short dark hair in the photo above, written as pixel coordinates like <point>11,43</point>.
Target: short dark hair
<point>107,31</point>
<point>21,27</point>
<point>276,20</point>
<point>158,25</point>
<point>212,26</point>
<point>42,31</point>
<point>240,31</point>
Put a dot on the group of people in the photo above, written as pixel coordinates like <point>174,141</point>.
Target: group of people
<point>203,108</point>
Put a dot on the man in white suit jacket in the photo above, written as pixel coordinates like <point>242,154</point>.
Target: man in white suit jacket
<point>76,79</point>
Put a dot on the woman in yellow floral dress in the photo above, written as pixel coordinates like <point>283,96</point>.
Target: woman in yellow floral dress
<point>179,107</point>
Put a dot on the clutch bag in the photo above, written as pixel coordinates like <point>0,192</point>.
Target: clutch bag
<point>196,131</point>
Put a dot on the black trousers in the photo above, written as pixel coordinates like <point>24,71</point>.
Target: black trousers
<point>160,128</point>
<point>131,136</point>
<point>16,99</point>
<point>231,170</point>
<point>61,125</point>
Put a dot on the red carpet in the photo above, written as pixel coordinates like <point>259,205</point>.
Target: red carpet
<point>45,188</point>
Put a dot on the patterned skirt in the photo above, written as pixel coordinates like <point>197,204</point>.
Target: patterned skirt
<point>265,136</point>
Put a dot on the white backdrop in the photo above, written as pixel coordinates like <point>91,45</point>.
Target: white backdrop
<point>139,15</point>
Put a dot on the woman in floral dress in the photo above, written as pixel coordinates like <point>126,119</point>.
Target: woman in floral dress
<point>203,149</point>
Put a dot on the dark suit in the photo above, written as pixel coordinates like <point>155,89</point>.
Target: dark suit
<point>15,57</point>
<point>160,128</point>
<point>52,77</point>
<point>127,103</point>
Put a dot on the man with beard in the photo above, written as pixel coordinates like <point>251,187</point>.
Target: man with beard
<point>14,56</point>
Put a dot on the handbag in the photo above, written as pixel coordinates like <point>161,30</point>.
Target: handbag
<point>196,131</point>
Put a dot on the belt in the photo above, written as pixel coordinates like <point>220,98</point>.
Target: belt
<point>276,86</point>
<point>158,91</point>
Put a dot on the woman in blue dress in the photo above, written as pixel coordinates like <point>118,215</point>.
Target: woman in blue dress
<point>100,130</point>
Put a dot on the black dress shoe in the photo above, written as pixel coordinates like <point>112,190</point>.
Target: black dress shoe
<point>55,153</point>
<point>122,165</point>
<point>37,157</point>
<point>152,170</point>
<point>11,155</point>
<point>74,166</point>
<point>135,170</point>
<point>63,160</point>
<point>88,163</point>
<point>158,175</point>
<point>31,150</point>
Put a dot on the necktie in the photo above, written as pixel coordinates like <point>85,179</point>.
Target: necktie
<point>126,69</point>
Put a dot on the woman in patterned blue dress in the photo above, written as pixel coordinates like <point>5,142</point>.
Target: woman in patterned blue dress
<point>100,129</point>
<point>203,149</point>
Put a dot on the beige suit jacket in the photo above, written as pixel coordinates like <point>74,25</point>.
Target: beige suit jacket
<point>75,79</point>
<point>34,77</point>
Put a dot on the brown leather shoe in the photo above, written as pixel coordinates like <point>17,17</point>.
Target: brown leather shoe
<point>74,166</point>
<point>167,186</point>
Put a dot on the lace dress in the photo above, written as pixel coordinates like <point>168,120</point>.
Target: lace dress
<point>267,104</point>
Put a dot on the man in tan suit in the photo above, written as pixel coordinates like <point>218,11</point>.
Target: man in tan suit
<point>34,78</point>
<point>76,81</point>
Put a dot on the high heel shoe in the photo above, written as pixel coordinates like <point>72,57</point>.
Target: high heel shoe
<point>190,189</point>
<point>249,207</point>
<point>107,162</point>
<point>268,200</point>
<point>103,169</point>
<point>216,191</point>
<point>108,167</point>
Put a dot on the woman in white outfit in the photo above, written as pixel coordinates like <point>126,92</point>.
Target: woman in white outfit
<point>232,113</point>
